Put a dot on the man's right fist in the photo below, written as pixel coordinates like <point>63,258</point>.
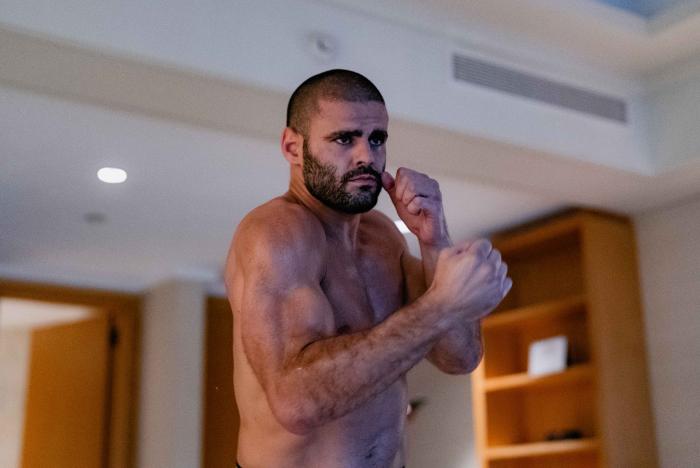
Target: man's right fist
<point>470,279</point>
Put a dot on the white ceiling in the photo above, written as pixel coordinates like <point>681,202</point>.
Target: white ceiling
<point>191,179</point>
<point>187,189</point>
<point>646,8</point>
<point>550,31</point>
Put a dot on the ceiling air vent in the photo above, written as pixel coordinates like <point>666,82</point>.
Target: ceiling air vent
<point>522,84</point>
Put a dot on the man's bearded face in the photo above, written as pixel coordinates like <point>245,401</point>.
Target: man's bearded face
<point>321,181</point>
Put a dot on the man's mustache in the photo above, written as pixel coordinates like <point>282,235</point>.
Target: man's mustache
<point>363,170</point>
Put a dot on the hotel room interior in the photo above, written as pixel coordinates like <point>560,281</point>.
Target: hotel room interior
<point>564,131</point>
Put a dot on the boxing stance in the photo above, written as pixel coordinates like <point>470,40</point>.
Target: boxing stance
<point>330,308</point>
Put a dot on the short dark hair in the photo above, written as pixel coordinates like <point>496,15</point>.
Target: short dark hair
<point>333,85</point>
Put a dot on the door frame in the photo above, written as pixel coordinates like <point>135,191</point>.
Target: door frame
<point>124,310</point>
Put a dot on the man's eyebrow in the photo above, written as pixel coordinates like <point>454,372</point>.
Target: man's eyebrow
<point>355,133</point>
<point>344,133</point>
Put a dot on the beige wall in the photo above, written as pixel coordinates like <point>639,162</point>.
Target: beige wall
<point>669,254</point>
<point>170,417</point>
<point>442,432</point>
<point>14,368</point>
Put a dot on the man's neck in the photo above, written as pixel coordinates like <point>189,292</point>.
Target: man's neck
<point>341,226</point>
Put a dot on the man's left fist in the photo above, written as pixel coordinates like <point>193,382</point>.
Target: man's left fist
<point>418,202</point>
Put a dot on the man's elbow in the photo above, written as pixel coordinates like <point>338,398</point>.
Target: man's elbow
<point>460,366</point>
<point>296,415</point>
<point>293,422</point>
<point>457,369</point>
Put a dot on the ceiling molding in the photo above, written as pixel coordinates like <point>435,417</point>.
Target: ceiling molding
<point>75,73</point>
<point>689,10</point>
<point>576,34</point>
<point>80,74</point>
<point>85,75</point>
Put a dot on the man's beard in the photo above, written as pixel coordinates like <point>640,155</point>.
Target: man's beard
<point>321,182</point>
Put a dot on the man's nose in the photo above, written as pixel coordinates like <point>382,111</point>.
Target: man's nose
<point>364,156</point>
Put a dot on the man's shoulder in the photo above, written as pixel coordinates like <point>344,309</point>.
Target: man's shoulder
<point>279,224</point>
<point>279,239</point>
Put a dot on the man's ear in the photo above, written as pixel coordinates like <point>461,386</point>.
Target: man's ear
<point>292,146</point>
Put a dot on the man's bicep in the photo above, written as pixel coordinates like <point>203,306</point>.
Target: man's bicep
<point>279,317</point>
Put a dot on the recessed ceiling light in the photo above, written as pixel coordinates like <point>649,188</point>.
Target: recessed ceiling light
<point>402,226</point>
<point>111,175</point>
<point>323,46</point>
<point>94,217</point>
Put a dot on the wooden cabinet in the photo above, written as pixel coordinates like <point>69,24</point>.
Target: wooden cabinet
<point>573,275</point>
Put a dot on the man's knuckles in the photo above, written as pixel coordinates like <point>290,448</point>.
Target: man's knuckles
<point>413,208</point>
<point>507,285</point>
<point>408,179</point>
<point>421,202</point>
<point>408,196</point>
<point>481,248</point>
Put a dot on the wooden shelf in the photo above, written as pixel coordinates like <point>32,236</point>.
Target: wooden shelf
<point>529,240</point>
<point>546,310</point>
<point>539,449</point>
<point>523,380</point>
<point>574,275</point>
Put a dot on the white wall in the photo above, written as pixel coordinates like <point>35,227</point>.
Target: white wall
<point>170,416</point>
<point>669,254</point>
<point>674,102</point>
<point>14,369</point>
<point>442,432</point>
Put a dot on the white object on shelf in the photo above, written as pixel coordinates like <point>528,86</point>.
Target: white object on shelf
<point>547,356</point>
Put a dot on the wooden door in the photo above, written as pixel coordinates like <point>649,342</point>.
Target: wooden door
<point>65,419</point>
<point>221,418</point>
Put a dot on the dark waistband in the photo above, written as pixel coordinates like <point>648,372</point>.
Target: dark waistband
<point>239,466</point>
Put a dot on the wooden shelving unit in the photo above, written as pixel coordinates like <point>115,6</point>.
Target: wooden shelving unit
<point>538,449</point>
<point>577,373</point>
<point>544,311</point>
<point>573,275</point>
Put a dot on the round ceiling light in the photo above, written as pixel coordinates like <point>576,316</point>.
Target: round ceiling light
<point>111,175</point>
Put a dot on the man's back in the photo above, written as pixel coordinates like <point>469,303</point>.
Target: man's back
<point>363,284</point>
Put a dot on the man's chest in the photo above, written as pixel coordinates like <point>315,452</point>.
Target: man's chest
<point>363,288</point>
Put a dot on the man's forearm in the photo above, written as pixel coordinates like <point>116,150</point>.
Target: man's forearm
<point>333,376</point>
<point>459,350</point>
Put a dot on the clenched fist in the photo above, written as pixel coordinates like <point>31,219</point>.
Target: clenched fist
<point>470,279</point>
<point>418,203</point>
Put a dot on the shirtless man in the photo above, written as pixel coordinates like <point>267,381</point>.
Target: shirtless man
<point>330,309</point>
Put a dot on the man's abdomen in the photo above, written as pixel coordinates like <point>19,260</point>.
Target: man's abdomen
<point>368,437</point>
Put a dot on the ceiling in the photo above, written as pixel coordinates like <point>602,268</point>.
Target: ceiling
<point>568,32</point>
<point>194,171</point>
<point>646,8</point>
<point>187,189</point>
